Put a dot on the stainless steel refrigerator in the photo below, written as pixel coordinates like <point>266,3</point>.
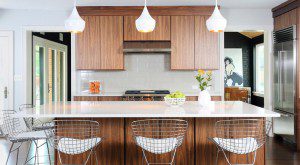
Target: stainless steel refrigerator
<point>284,81</point>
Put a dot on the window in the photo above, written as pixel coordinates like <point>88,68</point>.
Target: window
<point>259,68</point>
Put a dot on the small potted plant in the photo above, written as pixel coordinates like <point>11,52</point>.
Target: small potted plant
<point>204,78</point>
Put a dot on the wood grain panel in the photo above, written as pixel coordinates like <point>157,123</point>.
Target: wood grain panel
<point>206,150</point>
<point>136,10</point>
<point>285,20</point>
<point>111,150</point>
<point>297,118</point>
<point>111,43</point>
<point>206,46</point>
<point>182,42</point>
<point>161,32</point>
<point>119,98</point>
<point>98,98</point>
<point>185,153</point>
<point>88,52</point>
<point>195,98</point>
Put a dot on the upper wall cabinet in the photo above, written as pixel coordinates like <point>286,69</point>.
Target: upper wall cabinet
<point>100,45</point>
<point>182,42</point>
<point>193,46</point>
<point>285,20</point>
<point>112,43</point>
<point>160,33</point>
<point>88,44</point>
<point>206,46</point>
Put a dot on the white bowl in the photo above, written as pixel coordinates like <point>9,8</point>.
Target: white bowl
<point>175,101</point>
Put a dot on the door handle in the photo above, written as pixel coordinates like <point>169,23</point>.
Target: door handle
<point>5,92</point>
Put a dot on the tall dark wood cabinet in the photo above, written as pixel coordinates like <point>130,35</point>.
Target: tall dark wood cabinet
<point>285,15</point>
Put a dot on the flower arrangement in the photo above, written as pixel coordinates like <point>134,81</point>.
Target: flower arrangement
<point>204,78</point>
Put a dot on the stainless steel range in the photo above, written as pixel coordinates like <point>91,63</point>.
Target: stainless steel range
<point>145,95</point>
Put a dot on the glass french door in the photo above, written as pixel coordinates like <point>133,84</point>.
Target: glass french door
<point>49,71</point>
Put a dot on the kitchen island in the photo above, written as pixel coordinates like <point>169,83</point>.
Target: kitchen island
<point>118,146</point>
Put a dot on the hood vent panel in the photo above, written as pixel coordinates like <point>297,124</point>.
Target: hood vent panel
<point>147,47</point>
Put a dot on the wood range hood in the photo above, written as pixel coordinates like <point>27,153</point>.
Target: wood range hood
<point>147,47</point>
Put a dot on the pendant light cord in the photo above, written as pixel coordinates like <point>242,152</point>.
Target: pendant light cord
<point>216,2</point>
<point>75,3</point>
<point>145,2</point>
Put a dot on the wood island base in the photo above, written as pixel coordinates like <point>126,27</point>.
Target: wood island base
<point>118,147</point>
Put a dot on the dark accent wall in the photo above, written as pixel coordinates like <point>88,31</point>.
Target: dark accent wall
<point>54,36</point>
<point>237,40</point>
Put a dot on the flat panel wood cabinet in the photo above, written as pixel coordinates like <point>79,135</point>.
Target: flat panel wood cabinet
<point>285,20</point>
<point>193,46</point>
<point>112,43</point>
<point>100,46</point>
<point>206,46</point>
<point>88,44</point>
<point>161,32</point>
<point>182,42</point>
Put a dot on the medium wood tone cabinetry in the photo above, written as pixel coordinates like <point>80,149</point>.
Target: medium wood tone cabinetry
<point>161,32</point>
<point>182,42</point>
<point>286,15</point>
<point>206,46</point>
<point>285,20</point>
<point>100,46</point>
<point>88,52</point>
<point>193,46</point>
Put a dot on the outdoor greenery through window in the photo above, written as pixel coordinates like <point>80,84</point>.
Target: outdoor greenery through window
<point>259,68</point>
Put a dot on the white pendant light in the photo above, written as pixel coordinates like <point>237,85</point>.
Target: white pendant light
<point>216,22</point>
<point>75,23</point>
<point>145,23</point>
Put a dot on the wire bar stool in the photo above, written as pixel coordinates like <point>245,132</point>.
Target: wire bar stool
<point>74,137</point>
<point>14,132</point>
<point>32,123</point>
<point>159,136</point>
<point>240,136</point>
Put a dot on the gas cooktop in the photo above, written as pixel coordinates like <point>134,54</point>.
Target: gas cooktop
<point>147,92</point>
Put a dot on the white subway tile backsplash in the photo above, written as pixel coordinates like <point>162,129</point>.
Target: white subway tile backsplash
<point>145,71</point>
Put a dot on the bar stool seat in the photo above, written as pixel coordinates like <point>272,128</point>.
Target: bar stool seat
<point>30,135</point>
<point>242,145</point>
<point>66,145</point>
<point>159,136</point>
<point>157,146</point>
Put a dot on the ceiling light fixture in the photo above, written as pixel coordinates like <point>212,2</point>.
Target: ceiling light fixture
<point>75,24</point>
<point>145,23</point>
<point>216,22</point>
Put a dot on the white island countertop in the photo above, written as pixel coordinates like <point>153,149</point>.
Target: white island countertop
<point>126,109</point>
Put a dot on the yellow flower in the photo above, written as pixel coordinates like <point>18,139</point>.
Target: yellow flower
<point>209,72</point>
<point>201,72</point>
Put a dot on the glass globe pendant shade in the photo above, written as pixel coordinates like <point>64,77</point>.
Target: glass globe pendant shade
<point>75,23</point>
<point>216,22</point>
<point>145,23</point>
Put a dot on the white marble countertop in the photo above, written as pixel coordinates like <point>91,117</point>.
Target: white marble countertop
<point>124,109</point>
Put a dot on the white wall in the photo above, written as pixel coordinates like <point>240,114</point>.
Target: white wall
<point>255,19</point>
<point>248,19</point>
<point>16,20</point>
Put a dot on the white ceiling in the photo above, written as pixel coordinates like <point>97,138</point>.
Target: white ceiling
<point>67,4</point>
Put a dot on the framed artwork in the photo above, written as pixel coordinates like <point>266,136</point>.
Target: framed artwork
<point>233,60</point>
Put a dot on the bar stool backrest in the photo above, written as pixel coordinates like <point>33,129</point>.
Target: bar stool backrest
<point>167,129</point>
<point>75,134</point>
<point>11,126</point>
<point>242,134</point>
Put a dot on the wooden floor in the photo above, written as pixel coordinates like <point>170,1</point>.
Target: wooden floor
<point>281,153</point>
<point>277,153</point>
